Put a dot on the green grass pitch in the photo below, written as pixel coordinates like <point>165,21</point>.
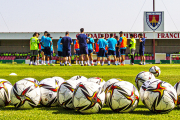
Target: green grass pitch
<point>169,73</point>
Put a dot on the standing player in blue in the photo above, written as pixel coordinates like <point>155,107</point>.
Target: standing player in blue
<point>82,40</point>
<point>66,42</point>
<point>118,55</point>
<point>112,43</point>
<point>102,43</point>
<point>90,48</point>
<point>47,47</point>
<point>142,48</point>
<point>60,50</point>
<point>42,48</point>
<point>52,51</point>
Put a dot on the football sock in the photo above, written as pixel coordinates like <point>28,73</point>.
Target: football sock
<point>66,62</point>
<point>102,62</point>
<point>37,61</point>
<point>115,62</point>
<point>98,62</point>
<point>85,62</point>
<point>76,62</point>
<point>47,62</point>
<point>30,63</point>
<point>91,61</point>
<point>81,62</point>
<point>109,62</point>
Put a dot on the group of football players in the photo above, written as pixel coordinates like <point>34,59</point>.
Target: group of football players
<point>84,47</point>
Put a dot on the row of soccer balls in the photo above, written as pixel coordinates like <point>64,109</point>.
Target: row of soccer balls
<point>89,95</point>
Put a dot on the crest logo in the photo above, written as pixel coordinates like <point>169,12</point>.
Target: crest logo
<point>154,19</point>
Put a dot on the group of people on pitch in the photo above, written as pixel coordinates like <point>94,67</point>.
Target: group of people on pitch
<point>85,46</point>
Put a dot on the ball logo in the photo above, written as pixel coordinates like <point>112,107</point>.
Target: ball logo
<point>154,19</point>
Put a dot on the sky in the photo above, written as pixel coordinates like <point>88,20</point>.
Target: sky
<point>92,15</point>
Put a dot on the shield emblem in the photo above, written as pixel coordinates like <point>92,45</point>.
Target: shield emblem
<point>154,19</point>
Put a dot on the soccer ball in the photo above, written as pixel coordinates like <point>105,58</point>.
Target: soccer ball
<point>155,70</point>
<point>160,97</point>
<point>145,86</point>
<point>79,78</point>
<point>65,94</point>
<point>49,88</point>
<point>97,80</point>
<point>124,97</point>
<point>142,77</point>
<point>106,87</point>
<point>59,79</point>
<point>25,94</point>
<point>36,82</point>
<point>177,88</point>
<point>88,97</point>
<point>5,90</point>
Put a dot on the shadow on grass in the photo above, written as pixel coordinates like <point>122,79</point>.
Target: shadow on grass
<point>13,108</point>
<point>61,110</point>
<point>141,106</point>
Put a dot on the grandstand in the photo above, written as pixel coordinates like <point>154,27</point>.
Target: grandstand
<point>15,46</point>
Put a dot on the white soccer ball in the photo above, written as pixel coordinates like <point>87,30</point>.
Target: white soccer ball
<point>79,78</point>
<point>49,88</point>
<point>25,94</point>
<point>36,82</point>
<point>160,97</point>
<point>59,79</point>
<point>142,77</point>
<point>106,87</point>
<point>155,70</point>
<point>88,97</point>
<point>97,80</point>
<point>5,90</point>
<point>65,94</point>
<point>145,86</point>
<point>177,88</point>
<point>124,97</point>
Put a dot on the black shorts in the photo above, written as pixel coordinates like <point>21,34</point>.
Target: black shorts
<point>141,52</point>
<point>90,51</point>
<point>42,50</point>
<point>83,50</point>
<point>111,52</point>
<point>34,52</point>
<point>47,51</point>
<point>60,54</point>
<point>118,53</point>
<point>77,52</point>
<point>66,53</point>
<point>123,51</point>
<point>101,52</point>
